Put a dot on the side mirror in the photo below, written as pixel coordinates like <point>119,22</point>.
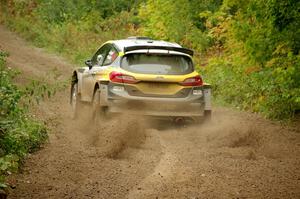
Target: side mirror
<point>89,63</point>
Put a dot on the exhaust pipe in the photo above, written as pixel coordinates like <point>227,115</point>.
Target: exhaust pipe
<point>179,120</point>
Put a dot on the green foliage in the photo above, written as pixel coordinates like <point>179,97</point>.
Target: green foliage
<point>60,11</point>
<point>19,133</point>
<point>176,21</point>
<point>259,69</point>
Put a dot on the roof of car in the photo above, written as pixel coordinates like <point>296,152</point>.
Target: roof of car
<point>142,41</point>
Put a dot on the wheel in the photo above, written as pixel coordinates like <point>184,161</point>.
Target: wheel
<point>98,112</point>
<point>74,101</point>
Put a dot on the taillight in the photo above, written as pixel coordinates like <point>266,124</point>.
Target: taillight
<point>193,81</point>
<point>122,78</point>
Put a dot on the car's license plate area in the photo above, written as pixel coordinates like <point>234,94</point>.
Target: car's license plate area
<point>156,89</point>
<point>158,85</point>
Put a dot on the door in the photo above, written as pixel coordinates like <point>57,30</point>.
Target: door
<point>88,79</point>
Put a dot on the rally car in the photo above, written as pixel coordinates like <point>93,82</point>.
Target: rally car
<point>141,76</point>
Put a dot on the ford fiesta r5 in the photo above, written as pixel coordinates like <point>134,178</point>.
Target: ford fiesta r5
<point>141,76</point>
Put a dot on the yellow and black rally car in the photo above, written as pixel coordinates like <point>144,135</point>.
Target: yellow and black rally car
<point>139,75</point>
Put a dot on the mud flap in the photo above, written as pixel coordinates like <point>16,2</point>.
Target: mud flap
<point>103,95</point>
<point>207,99</point>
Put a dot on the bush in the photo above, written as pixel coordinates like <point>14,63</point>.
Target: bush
<point>19,133</point>
<point>259,68</point>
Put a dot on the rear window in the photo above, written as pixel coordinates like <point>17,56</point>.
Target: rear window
<point>164,64</point>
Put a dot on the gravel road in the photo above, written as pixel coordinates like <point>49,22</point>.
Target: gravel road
<point>237,155</point>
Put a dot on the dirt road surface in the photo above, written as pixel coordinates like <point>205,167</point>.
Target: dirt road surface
<point>238,155</point>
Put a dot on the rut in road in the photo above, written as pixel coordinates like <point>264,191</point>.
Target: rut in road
<point>238,155</point>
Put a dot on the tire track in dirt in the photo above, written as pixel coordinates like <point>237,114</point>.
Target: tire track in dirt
<point>168,170</point>
<point>238,155</point>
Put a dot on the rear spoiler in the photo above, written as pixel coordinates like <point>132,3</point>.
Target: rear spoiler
<point>178,49</point>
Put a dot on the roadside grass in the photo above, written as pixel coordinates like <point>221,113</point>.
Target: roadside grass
<point>20,133</point>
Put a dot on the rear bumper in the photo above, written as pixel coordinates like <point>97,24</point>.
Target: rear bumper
<point>119,101</point>
<point>159,109</point>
